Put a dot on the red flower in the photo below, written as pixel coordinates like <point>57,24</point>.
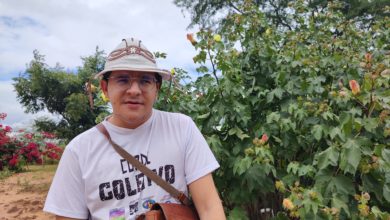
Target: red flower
<point>13,161</point>
<point>31,146</point>
<point>7,129</point>
<point>50,145</point>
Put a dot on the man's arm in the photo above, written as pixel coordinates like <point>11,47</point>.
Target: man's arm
<point>206,198</point>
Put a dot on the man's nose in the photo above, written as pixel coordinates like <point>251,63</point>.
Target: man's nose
<point>134,87</point>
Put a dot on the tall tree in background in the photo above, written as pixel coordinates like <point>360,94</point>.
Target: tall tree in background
<point>61,93</point>
<point>208,13</point>
<point>297,112</point>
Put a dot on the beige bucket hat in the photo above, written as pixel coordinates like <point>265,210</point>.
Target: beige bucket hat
<point>132,55</point>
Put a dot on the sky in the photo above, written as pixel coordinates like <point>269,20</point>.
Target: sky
<point>66,30</point>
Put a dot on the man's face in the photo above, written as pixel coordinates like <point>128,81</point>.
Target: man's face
<point>132,95</point>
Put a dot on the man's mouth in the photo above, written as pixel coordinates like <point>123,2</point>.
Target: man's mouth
<point>131,102</point>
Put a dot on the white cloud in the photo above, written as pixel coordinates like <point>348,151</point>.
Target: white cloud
<point>66,30</point>
<point>16,117</point>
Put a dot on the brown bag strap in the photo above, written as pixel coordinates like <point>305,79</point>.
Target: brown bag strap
<point>144,169</point>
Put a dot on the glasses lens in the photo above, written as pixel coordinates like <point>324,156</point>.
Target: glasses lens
<point>145,83</point>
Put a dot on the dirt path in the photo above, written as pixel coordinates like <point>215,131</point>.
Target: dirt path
<point>22,195</point>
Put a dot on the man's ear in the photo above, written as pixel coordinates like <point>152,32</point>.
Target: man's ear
<point>104,86</point>
<point>158,86</point>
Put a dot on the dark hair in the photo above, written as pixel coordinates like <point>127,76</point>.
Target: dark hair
<point>158,78</point>
<point>106,76</point>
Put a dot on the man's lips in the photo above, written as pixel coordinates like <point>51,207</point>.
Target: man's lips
<point>133,102</point>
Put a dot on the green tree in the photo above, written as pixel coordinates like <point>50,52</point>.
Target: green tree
<point>61,93</point>
<point>208,13</point>
<point>299,119</point>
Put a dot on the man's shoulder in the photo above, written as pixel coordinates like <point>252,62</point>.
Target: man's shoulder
<point>84,137</point>
<point>172,116</point>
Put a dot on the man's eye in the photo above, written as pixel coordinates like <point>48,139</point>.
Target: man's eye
<point>122,79</point>
<point>146,81</point>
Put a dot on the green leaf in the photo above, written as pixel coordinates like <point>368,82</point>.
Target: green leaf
<point>273,117</point>
<point>293,167</point>
<point>256,178</point>
<point>370,123</point>
<point>344,185</point>
<point>306,170</point>
<point>350,157</point>
<point>386,192</point>
<point>372,184</point>
<point>238,132</point>
<point>310,205</point>
<point>330,156</point>
<point>340,204</point>
<point>242,165</point>
<point>386,155</point>
<point>237,214</point>
<point>346,123</point>
<point>317,132</point>
<point>336,131</point>
<point>278,92</point>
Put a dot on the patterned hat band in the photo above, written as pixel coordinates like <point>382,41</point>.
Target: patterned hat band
<point>132,55</point>
<point>129,50</point>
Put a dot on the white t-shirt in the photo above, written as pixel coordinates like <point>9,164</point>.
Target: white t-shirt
<point>92,177</point>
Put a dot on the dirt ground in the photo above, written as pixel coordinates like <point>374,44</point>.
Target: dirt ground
<point>23,195</point>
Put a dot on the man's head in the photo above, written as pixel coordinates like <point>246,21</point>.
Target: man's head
<point>132,55</point>
<point>131,81</point>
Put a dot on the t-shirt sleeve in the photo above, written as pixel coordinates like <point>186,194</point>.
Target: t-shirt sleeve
<point>199,159</point>
<point>66,194</point>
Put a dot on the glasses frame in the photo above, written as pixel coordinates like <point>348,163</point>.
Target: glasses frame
<point>131,80</point>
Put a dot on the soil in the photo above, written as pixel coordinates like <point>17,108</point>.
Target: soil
<point>22,195</point>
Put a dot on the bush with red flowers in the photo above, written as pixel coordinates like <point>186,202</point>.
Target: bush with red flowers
<point>24,148</point>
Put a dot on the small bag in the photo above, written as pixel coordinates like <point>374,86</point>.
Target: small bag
<point>169,211</point>
<point>158,211</point>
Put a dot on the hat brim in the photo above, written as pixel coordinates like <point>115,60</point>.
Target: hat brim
<point>165,74</point>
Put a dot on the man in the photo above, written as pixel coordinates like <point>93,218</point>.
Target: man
<point>93,181</point>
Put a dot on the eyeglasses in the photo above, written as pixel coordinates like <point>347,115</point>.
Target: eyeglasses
<point>145,83</point>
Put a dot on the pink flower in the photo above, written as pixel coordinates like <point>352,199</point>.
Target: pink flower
<point>29,136</point>
<point>368,57</point>
<point>3,116</point>
<point>48,135</point>
<point>287,204</point>
<point>354,86</point>
<point>264,138</point>
<point>190,37</point>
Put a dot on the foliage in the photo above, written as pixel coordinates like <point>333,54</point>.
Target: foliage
<point>61,93</point>
<point>26,148</point>
<point>210,13</point>
<point>298,118</point>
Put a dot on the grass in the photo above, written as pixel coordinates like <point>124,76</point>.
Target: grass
<point>5,174</point>
<point>31,183</point>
